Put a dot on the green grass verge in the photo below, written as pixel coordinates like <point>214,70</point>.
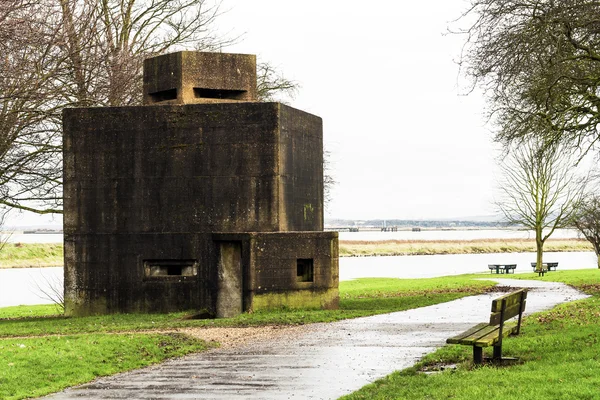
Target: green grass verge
<point>559,352</point>
<point>586,280</point>
<point>358,298</point>
<point>18,255</point>
<point>37,366</point>
<point>44,310</point>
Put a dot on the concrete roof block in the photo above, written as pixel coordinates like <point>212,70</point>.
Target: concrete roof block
<point>192,77</point>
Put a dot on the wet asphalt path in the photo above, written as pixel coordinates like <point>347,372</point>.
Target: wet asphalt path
<point>325,361</point>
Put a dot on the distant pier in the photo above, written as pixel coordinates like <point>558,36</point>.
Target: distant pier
<point>370,229</point>
<point>345,229</point>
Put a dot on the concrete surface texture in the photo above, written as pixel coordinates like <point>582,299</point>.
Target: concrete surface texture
<point>324,362</point>
<point>164,203</point>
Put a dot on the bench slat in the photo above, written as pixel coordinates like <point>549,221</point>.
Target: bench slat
<point>491,338</point>
<point>511,299</point>
<point>511,311</point>
<point>458,338</point>
<point>475,336</point>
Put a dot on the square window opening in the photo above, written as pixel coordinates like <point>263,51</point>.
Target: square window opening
<point>305,270</point>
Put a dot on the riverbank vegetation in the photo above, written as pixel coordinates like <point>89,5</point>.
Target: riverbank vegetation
<point>18,255</point>
<point>479,246</point>
<point>61,352</point>
<point>558,351</point>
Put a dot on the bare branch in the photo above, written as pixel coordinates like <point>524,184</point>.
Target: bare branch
<point>538,61</point>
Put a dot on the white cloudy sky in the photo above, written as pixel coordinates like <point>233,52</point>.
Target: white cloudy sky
<point>404,142</point>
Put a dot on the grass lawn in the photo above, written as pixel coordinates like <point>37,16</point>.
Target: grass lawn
<point>31,367</point>
<point>89,349</point>
<point>559,352</point>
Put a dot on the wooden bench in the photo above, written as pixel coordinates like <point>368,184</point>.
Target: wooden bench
<point>550,266</point>
<point>491,333</point>
<point>502,268</point>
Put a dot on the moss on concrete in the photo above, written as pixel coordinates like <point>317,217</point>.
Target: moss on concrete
<point>79,307</point>
<point>325,299</point>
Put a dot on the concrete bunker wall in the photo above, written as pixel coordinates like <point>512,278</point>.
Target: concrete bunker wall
<point>193,168</point>
<point>147,187</point>
<point>139,273</point>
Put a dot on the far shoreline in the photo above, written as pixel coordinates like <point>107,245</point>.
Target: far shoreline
<point>51,255</point>
<point>361,248</point>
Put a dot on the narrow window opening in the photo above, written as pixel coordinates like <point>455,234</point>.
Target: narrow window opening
<point>203,93</point>
<point>304,270</point>
<point>163,95</point>
<point>174,270</point>
<point>164,268</point>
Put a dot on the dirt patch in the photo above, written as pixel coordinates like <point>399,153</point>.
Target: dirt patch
<point>590,288</point>
<point>502,289</point>
<point>225,337</point>
<point>466,289</point>
<point>437,368</point>
<point>231,337</point>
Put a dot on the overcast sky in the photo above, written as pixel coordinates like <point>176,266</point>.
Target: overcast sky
<point>404,140</point>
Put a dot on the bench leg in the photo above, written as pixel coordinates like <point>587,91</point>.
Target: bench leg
<point>497,352</point>
<point>477,355</point>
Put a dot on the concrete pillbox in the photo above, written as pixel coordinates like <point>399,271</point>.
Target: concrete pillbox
<point>196,203</point>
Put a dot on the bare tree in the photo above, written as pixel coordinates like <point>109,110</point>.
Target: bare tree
<point>64,53</point>
<point>539,63</point>
<point>588,222</point>
<point>85,53</point>
<point>540,191</point>
<point>106,42</point>
<point>29,116</point>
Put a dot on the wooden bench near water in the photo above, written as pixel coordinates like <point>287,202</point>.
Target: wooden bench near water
<point>502,268</point>
<point>491,333</point>
<point>546,267</point>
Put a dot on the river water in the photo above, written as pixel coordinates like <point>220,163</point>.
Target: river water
<point>27,285</point>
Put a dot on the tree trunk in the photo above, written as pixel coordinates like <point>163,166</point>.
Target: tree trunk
<point>539,244</point>
<point>598,255</point>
